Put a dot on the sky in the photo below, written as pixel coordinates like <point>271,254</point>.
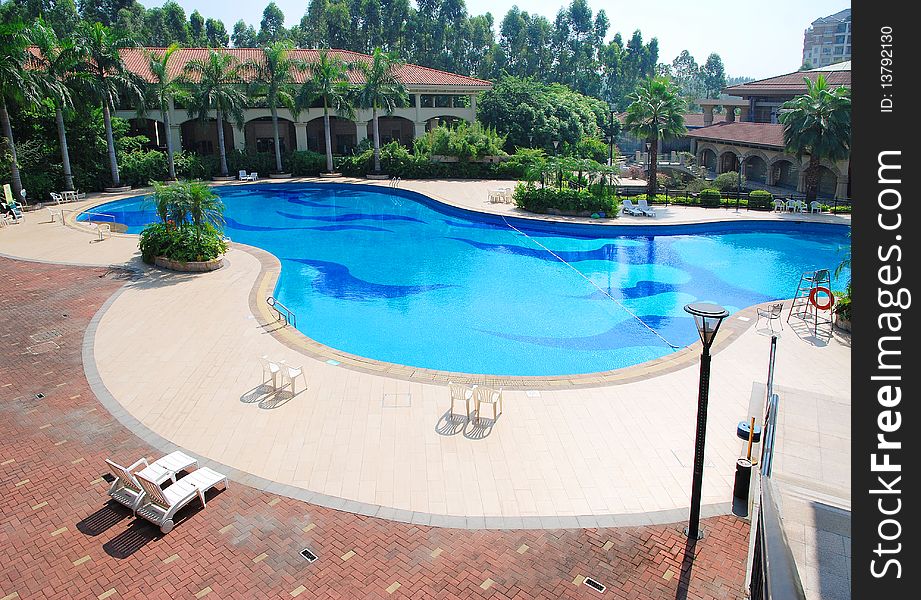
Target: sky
<point>754,39</point>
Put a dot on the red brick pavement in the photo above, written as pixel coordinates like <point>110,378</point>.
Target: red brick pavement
<point>59,538</point>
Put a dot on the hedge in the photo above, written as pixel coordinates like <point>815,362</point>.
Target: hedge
<point>710,198</point>
<point>543,199</point>
<point>760,200</point>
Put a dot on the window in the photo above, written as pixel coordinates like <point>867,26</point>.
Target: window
<point>839,50</point>
<point>839,39</point>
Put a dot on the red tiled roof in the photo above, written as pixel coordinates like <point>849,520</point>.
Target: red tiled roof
<point>137,61</point>
<point>791,83</point>
<point>758,134</point>
<point>691,120</point>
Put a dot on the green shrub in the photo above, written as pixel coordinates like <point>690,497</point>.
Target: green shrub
<point>543,199</point>
<point>727,182</point>
<point>588,147</point>
<point>139,167</point>
<point>710,198</point>
<point>305,162</point>
<point>463,140</point>
<point>760,200</point>
<point>843,303</point>
<point>185,243</point>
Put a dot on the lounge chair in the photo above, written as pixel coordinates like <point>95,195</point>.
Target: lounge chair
<point>461,393</point>
<point>128,491</point>
<point>645,209</point>
<point>242,176</point>
<point>56,197</point>
<point>289,374</point>
<point>487,395</point>
<point>10,205</point>
<point>630,209</point>
<point>159,506</point>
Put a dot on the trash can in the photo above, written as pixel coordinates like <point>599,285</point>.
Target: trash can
<point>743,479</point>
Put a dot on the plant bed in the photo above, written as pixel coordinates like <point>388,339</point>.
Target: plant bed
<point>377,176</point>
<point>191,266</point>
<point>279,175</point>
<point>842,323</point>
<point>117,190</point>
<point>331,175</point>
<point>223,178</point>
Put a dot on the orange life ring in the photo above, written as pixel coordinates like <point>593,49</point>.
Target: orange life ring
<point>815,292</point>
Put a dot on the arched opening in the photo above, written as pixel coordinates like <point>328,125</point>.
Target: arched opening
<point>728,162</point>
<point>152,129</point>
<point>828,182</point>
<point>259,135</point>
<point>343,135</point>
<point>707,159</point>
<point>436,121</point>
<point>393,129</point>
<point>756,169</point>
<point>785,174</point>
<point>201,137</point>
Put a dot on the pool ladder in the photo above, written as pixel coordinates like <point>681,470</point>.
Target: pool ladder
<point>283,311</point>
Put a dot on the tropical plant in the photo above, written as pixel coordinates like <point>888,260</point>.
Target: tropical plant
<point>55,68</point>
<point>656,112</point>
<point>108,78</point>
<point>218,87</point>
<point>191,221</point>
<point>380,91</point>
<point>271,79</point>
<point>166,87</point>
<point>329,82</point>
<point>818,123</point>
<point>15,87</point>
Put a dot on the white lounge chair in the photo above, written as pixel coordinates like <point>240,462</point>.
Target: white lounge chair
<point>461,393</point>
<point>487,395</point>
<point>289,374</point>
<point>242,176</point>
<point>159,506</point>
<point>644,208</point>
<point>128,491</point>
<point>56,197</point>
<point>630,209</point>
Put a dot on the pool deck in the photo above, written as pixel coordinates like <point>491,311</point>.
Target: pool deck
<point>372,442</point>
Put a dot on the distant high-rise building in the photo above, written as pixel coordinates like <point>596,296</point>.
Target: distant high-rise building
<point>828,40</point>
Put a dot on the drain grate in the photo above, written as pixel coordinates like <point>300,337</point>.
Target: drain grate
<point>45,336</point>
<point>310,556</point>
<point>107,477</point>
<point>42,348</point>
<point>595,585</point>
<point>39,396</point>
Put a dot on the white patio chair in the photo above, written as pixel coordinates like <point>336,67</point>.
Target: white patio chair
<point>55,213</point>
<point>271,368</point>
<point>461,393</point>
<point>487,395</point>
<point>289,374</point>
<point>779,205</point>
<point>254,176</point>
<point>70,195</point>
<point>493,196</point>
<point>645,209</point>
<point>159,506</point>
<point>771,314</point>
<point>127,490</point>
<point>56,197</point>
<point>815,206</point>
<point>630,209</point>
<point>242,176</point>
<point>102,230</point>
<point>792,205</point>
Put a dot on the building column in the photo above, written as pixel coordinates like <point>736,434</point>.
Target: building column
<point>801,181</point>
<point>708,115</point>
<point>175,137</point>
<point>420,130</point>
<point>300,135</point>
<point>418,106</point>
<point>730,114</point>
<point>744,114</point>
<point>361,131</point>
<point>239,138</point>
<point>473,105</point>
<point>841,188</point>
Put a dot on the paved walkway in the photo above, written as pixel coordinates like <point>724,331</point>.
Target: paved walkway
<point>60,539</point>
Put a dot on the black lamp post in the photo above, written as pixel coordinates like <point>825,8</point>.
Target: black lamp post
<point>739,187</point>
<point>708,318</point>
<point>611,136</point>
<point>560,170</point>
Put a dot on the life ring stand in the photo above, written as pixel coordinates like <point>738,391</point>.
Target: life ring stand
<point>815,292</point>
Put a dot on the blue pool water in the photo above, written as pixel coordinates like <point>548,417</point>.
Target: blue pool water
<point>392,275</point>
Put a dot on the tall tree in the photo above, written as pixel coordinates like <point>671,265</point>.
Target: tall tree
<point>271,78</point>
<point>197,29</point>
<point>176,27</point>
<point>818,123</point>
<point>109,79</point>
<point>272,26</point>
<point>166,88</point>
<point>381,90</point>
<point>714,76</point>
<point>243,36</point>
<point>16,87</point>
<point>55,69</point>
<point>329,82</point>
<point>218,87</point>
<point>216,34</point>
<point>655,113</point>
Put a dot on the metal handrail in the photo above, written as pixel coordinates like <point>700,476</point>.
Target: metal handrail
<point>283,311</point>
<point>775,576</point>
<point>86,212</point>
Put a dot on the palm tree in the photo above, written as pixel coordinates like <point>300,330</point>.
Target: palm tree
<point>656,113</point>
<point>380,91</point>
<point>109,79</point>
<point>272,79</point>
<point>818,123</point>
<point>15,87</point>
<point>329,82</point>
<point>219,88</point>
<point>165,88</point>
<point>56,68</point>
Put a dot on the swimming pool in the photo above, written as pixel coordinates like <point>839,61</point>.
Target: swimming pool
<point>395,276</point>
